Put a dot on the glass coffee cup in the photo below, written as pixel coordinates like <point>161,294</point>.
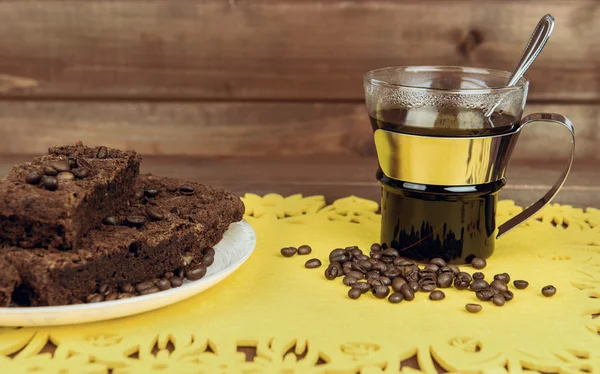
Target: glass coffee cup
<point>443,155</point>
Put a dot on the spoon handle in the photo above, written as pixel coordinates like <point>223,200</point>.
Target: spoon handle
<point>536,43</point>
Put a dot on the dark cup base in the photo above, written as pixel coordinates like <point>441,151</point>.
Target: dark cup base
<point>424,221</point>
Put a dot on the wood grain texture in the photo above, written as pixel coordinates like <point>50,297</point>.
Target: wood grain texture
<point>281,49</point>
<point>246,129</point>
<point>340,176</point>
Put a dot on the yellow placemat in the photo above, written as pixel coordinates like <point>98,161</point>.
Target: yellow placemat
<point>274,304</point>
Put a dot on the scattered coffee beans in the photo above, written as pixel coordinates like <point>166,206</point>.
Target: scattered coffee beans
<point>397,283</point>
<point>304,250</point>
<point>407,292</point>
<point>135,221</point>
<point>314,263</point>
<point>33,178</point>
<point>415,286</point>
<point>548,291</point>
<point>381,292</point>
<point>208,260</point>
<point>504,277</point>
<point>61,166</point>
<point>176,282</point>
<point>49,170</point>
<point>508,295</point>
<point>65,176</point>
<point>473,308</point>
<point>520,284</point>
<point>288,251</point>
<point>479,284</point>
<point>102,152</point>
<point>444,280</point>
<point>354,293</point>
<point>186,190</point>
<point>362,286</point>
<point>478,263</point>
<point>395,298</point>
<point>349,281</point>
<point>385,281</point>
<point>462,280</point>
<point>438,261</point>
<point>498,300</point>
<point>485,294</point>
<point>478,275</point>
<point>196,272</point>
<point>50,183</point>
<point>499,285</point>
<point>163,284</point>
<point>437,295</point>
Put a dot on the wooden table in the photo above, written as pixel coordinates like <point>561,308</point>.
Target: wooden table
<point>336,177</point>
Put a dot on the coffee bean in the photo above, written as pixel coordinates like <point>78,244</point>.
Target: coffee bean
<point>455,269</point>
<point>95,298</point>
<point>499,285</point>
<point>209,251</point>
<point>110,221</point>
<point>65,176</point>
<point>288,251</point>
<point>126,295</point>
<point>151,192</point>
<point>473,308</point>
<point>448,270</point>
<point>410,273</point>
<point>479,284</point>
<point>504,277</point>
<point>432,267</point>
<point>126,287</point>
<point>478,275</point>
<point>357,252</point>
<point>208,260</point>
<point>375,255</point>
<point>374,282</point>
<point>462,281</point>
<point>438,261</point>
<point>392,273</point>
<point>338,254</point>
<point>332,272</point>
<point>143,285</point>
<point>104,289</point>
<point>407,292</point>
<point>520,284</point>
<point>437,295</point>
<point>72,161</point>
<point>150,290</point>
<point>102,152</point>
<point>163,284</point>
<point>61,166</point>
<point>395,298</point>
<point>314,263</point>
<point>548,291</point>
<point>196,272</point>
<point>33,178</point>
<point>486,294</point>
<point>355,274</point>
<point>397,283</point>
<point>498,300</point>
<point>365,264</point>
<point>372,275</point>
<point>428,287</point>
<point>176,282</point>
<point>390,252</point>
<point>508,295</point>
<point>111,296</point>
<point>478,263</point>
<point>349,281</point>
<point>373,261</point>
<point>154,214</point>
<point>135,221</point>
<point>403,262</point>
<point>81,173</point>
<point>362,286</point>
<point>50,183</point>
<point>83,164</point>
<point>415,286</point>
<point>444,280</point>
<point>49,170</point>
<point>186,190</point>
<point>304,250</point>
<point>381,292</point>
<point>379,266</point>
<point>375,247</point>
<point>354,293</point>
<point>385,281</point>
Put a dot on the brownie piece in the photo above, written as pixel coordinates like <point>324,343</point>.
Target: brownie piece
<point>9,279</point>
<point>166,227</point>
<point>95,182</point>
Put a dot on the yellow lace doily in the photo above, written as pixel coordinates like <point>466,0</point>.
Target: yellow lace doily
<point>299,322</point>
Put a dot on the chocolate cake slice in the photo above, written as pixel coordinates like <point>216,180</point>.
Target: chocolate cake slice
<point>53,200</point>
<point>165,229</point>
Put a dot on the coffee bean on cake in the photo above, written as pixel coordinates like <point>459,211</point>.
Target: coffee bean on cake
<point>33,178</point>
<point>186,189</point>
<point>196,272</point>
<point>102,152</point>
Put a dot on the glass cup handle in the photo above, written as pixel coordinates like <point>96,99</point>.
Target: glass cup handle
<point>535,207</point>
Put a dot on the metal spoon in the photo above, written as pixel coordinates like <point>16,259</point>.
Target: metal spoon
<point>536,43</point>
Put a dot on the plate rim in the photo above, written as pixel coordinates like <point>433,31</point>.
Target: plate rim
<point>82,308</point>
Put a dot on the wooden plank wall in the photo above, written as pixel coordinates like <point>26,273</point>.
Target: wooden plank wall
<point>269,77</point>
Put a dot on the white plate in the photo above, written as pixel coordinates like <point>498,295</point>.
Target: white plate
<point>231,252</point>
